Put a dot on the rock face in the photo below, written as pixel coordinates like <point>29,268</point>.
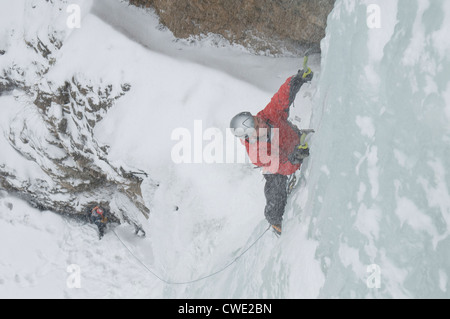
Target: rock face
<point>263,25</point>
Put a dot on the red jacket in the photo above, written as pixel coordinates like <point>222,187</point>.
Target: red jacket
<point>272,155</point>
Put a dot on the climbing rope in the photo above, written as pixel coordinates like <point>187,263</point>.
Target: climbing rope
<point>196,280</point>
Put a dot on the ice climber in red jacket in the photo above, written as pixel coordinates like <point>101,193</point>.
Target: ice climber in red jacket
<point>273,144</point>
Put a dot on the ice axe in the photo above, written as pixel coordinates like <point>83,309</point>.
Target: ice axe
<point>306,70</point>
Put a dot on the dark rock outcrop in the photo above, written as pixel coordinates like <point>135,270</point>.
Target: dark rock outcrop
<point>263,25</point>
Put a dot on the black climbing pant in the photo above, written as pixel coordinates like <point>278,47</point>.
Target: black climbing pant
<point>101,228</point>
<point>276,197</point>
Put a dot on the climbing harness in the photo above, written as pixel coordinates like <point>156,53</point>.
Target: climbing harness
<point>292,181</point>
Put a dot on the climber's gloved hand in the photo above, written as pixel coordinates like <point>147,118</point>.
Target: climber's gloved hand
<point>299,80</point>
<point>309,76</point>
<point>300,153</point>
<point>303,151</point>
<point>305,78</point>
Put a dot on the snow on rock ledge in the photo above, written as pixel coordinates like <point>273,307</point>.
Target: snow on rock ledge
<point>50,156</point>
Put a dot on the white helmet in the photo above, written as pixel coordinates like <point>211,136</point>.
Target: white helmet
<point>243,125</point>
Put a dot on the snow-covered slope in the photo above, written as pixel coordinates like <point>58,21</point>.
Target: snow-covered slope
<point>375,204</point>
<point>202,215</point>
